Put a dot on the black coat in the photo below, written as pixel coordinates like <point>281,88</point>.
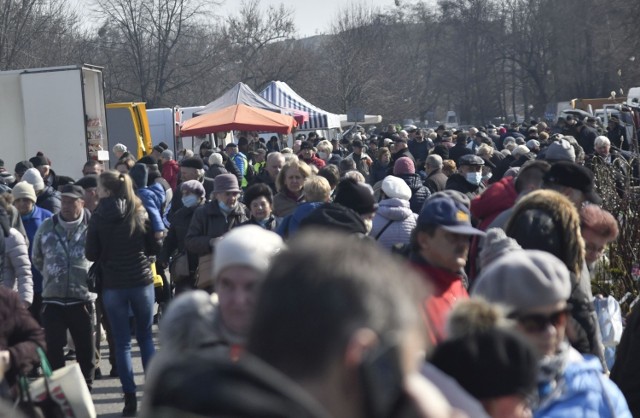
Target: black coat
<point>123,257</point>
<point>174,241</point>
<point>210,222</point>
<point>436,181</point>
<point>176,202</point>
<point>50,199</point>
<point>457,151</point>
<point>457,182</point>
<point>626,369</point>
<point>419,192</point>
<point>397,155</point>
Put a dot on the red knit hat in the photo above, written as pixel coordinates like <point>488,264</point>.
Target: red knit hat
<point>404,165</point>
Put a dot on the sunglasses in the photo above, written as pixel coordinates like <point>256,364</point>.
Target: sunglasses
<point>535,323</point>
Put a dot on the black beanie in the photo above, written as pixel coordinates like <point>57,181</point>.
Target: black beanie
<point>489,364</point>
<point>193,162</point>
<point>139,175</point>
<point>356,196</point>
<point>38,160</point>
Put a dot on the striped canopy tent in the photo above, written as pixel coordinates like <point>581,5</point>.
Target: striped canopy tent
<point>243,94</point>
<point>280,94</point>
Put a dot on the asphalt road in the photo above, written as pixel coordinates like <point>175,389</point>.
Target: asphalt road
<point>107,392</point>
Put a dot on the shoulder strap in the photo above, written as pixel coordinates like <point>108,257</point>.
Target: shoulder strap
<point>384,228</point>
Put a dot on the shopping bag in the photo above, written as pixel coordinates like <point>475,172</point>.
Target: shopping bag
<point>65,387</point>
<point>205,272</point>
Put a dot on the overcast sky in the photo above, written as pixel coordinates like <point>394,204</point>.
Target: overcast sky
<point>311,16</point>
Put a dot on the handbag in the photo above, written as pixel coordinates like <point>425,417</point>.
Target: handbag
<point>205,280</point>
<point>61,393</point>
<point>94,278</point>
<point>179,267</point>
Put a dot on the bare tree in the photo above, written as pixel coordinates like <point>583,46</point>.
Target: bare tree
<point>154,47</point>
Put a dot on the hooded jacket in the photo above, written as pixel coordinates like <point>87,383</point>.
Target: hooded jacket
<point>419,192</point>
<point>15,272</point>
<point>336,217</point>
<point>170,172</point>
<point>59,255</point>
<point>123,256</point>
<point>50,199</point>
<point>291,223</point>
<point>32,222</point>
<point>152,196</point>
<point>397,213</point>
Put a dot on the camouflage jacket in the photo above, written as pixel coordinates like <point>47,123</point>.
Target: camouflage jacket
<point>59,256</point>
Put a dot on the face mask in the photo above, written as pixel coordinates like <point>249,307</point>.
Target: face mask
<point>323,155</point>
<point>474,178</point>
<point>487,176</point>
<point>224,207</point>
<point>190,200</point>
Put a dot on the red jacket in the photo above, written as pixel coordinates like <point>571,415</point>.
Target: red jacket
<point>446,289</point>
<point>170,171</point>
<point>497,198</point>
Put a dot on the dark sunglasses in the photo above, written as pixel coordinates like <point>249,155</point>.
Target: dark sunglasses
<point>539,322</point>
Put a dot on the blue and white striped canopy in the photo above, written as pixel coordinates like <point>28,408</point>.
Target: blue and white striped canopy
<point>280,94</point>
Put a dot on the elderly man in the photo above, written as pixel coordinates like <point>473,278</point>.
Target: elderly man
<point>268,176</point>
<point>436,180</point>
<point>439,250</point>
<point>468,179</point>
<point>58,252</point>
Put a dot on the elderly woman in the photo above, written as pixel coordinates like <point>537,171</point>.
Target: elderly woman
<point>380,166</point>
<point>534,287</point>
<point>394,219</point>
<point>290,183</point>
<point>259,199</point>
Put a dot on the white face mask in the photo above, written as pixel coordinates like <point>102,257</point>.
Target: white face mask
<point>474,178</point>
<point>487,176</point>
<point>368,223</point>
<point>323,155</point>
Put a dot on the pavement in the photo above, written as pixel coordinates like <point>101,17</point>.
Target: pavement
<point>107,392</point>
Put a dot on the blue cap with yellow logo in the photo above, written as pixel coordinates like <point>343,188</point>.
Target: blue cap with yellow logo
<point>448,214</point>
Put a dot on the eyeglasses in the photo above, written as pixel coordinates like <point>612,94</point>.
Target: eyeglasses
<point>535,323</point>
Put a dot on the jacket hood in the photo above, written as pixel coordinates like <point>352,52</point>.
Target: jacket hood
<point>394,209</point>
<point>111,209</point>
<point>139,173</point>
<point>337,217</point>
<point>304,209</point>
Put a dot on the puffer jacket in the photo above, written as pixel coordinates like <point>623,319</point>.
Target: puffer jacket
<point>419,192</point>
<point>50,199</point>
<point>210,222</point>
<point>124,257</point>
<point>403,221</point>
<point>583,391</point>
<point>17,266</point>
<point>59,256</point>
<point>31,224</point>
<point>152,198</point>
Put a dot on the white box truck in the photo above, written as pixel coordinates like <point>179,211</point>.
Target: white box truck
<point>59,111</point>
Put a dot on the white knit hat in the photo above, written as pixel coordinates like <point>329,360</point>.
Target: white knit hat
<point>215,158</point>
<point>24,190</point>
<point>393,186</point>
<point>33,177</point>
<point>247,246</point>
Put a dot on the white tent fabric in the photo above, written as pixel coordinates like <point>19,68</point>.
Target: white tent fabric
<point>280,94</point>
<point>240,94</point>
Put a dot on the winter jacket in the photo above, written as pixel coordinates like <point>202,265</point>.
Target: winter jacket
<point>215,170</point>
<point>335,217</point>
<point>152,198</point>
<point>436,181</point>
<point>20,334</point>
<point>458,182</point>
<point>420,151</point>
<point>17,273</point>
<point>457,151</point>
<point>584,391</point>
<point>285,205</point>
<point>497,198</point>
<point>363,161</point>
<point>32,222</point>
<point>49,199</point>
<point>264,177</point>
<point>170,172</point>
<point>626,369</point>
<point>291,223</point>
<point>176,201</point>
<point>59,255</point>
<point>210,222</point>
<point>318,162</point>
<point>270,224</point>
<point>396,156</point>
<point>447,289</point>
<point>123,256</point>
<point>175,239</point>
<point>419,192</point>
<point>401,220</point>
<point>377,172</point>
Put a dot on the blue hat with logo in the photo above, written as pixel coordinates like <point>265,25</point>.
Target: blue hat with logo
<point>449,215</point>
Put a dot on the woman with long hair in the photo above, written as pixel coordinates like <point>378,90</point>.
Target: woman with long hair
<point>121,240</point>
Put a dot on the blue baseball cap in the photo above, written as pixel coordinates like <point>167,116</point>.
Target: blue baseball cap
<point>449,215</point>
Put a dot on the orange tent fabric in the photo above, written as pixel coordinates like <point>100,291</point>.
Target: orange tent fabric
<point>238,118</point>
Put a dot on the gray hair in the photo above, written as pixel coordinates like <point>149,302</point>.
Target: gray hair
<point>215,158</point>
<point>272,156</point>
<point>119,148</point>
<point>602,141</point>
<point>435,161</point>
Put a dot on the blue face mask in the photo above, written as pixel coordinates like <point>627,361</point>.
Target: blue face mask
<point>224,207</point>
<point>190,200</point>
<point>474,178</point>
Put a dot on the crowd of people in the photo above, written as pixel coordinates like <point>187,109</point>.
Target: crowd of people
<point>399,273</point>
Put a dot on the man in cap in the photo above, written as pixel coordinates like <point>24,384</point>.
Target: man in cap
<point>573,181</point>
<point>419,147</point>
<point>439,250</point>
<point>468,179</point>
<point>212,220</point>
<point>19,170</point>
<point>308,155</point>
<point>400,149</point>
<point>240,160</point>
<point>58,252</point>
<point>361,158</point>
<point>617,134</point>
<point>44,167</point>
<point>191,168</point>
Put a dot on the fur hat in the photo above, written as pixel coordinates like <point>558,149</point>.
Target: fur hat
<point>524,280</point>
<point>247,246</point>
<point>33,177</point>
<point>393,186</point>
<point>192,162</point>
<point>24,190</point>
<point>404,165</point>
